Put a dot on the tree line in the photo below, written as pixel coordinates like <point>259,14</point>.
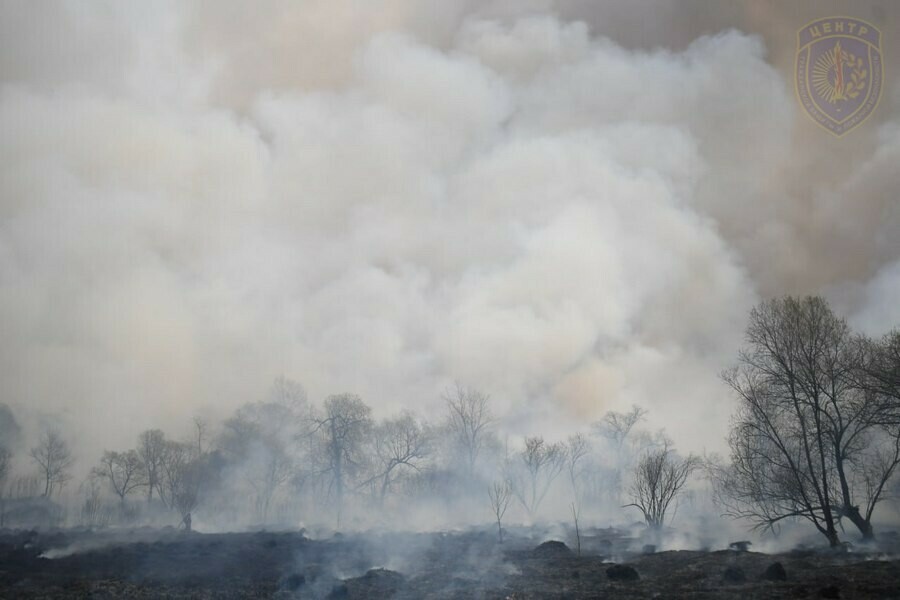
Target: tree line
<point>815,438</point>
<point>288,456</point>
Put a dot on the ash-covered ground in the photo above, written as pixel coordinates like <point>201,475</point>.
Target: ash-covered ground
<point>166,563</point>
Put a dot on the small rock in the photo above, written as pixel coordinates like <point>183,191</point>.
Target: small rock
<point>376,583</point>
<point>734,575</point>
<point>313,571</point>
<point>552,549</point>
<point>292,582</point>
<point>775,572</point>
<point>831,591</point>
<point>379,576</point>
<point>622,573</point>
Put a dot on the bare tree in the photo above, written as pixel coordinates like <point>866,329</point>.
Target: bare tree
<point>288,393</point>
<point>533,474</point>
<point>239,434</point>
<point>10,432</point>
<point>94,511</point>
<point>175,456</point>
<point>123,470</point>
<point>182,475</point>
<point>814,437</point>
<point>256,441</point>
<point>270,469</point>
<point>201,432</point>
<point>880,371</point>
<point>400,444</point>
<point>500,493</point>
<point>879,375</point>
<point>53,459</point>
<point>24,487</point>
<point>151,450</point>
<point>618,427</point>
<point>575,511</point>
<point>469,417</point>
<point>341,430</point>
<point>577,448</point>
<point>658,479</point>
<point>5,465</point>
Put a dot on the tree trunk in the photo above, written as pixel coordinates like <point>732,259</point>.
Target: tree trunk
<point>864,525</point>
<point>384,488</point>
<point>832,536</point>
<point>852,512</point>
<point>337,454</point>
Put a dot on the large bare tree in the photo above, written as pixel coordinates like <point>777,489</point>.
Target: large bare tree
<point>538,465</point>
<point>578,448</point>
<point>151,450</point>
<point>619,429</point>
<point>341,431</point>
<point>616,426</point>
<point>53,459</point>
<point>5,465</point>
<point>469,419</point>
<point>182,476</point>
<point>400,444</point>
<point>273,467</point>
<point>257,442</point>
<point>659,477</point>
<point>288,393</point>
<point>124,471</point>
<point>813,438</point>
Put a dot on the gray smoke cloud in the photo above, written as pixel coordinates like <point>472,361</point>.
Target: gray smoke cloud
<point>571,205</point>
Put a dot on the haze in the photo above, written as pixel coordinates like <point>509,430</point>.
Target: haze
<point>570,206</point>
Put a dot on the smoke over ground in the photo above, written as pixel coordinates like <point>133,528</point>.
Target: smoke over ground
<point>569,206</point>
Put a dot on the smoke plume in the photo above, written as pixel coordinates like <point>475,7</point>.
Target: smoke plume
<point>570,205</point>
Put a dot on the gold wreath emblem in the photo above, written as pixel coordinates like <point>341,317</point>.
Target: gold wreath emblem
<point>830,75</point>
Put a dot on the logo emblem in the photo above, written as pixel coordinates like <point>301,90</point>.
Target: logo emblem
<point>839,72</point>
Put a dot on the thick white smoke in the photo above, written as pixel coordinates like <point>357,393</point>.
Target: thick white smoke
<point>386,198</point>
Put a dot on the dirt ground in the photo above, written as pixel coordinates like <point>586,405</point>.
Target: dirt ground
<point>152,563</point>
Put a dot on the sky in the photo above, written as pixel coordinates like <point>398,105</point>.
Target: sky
<point>570,205</point>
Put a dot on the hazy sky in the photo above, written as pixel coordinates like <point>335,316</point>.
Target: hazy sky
<point>571,205</point>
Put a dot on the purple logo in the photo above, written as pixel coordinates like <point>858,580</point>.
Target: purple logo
<point>839,72</point>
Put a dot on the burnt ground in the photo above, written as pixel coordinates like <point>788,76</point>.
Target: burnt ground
<point>147,563</point>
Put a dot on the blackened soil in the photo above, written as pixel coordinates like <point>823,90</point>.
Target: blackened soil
<point>145,563</point>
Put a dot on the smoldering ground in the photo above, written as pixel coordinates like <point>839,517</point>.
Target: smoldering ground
<point>571,206</point>
<point>288,565</point>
